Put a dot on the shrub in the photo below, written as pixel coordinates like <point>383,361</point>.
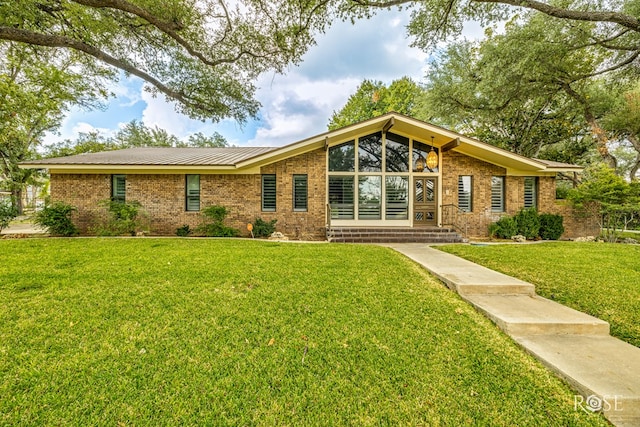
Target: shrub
<point>504,228</point>
<point>7,213</point>
<point>551,227</point>
<point>184,231</point>
<point>56,219</point>
<point>264,228</point>
<point>213,225</point>
<point>123,218</point>
<point>528,223</point>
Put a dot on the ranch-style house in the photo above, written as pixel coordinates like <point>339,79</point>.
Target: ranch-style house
<point>382,177</point>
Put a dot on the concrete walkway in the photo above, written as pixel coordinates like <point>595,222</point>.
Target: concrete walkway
<point>576,346</point>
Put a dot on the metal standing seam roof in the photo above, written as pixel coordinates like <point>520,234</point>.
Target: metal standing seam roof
<point>162,156</point>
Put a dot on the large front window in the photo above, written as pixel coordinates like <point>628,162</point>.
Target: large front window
<point>369,177</point>
<point>341,199</point>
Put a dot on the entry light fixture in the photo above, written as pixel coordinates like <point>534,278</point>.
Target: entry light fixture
<point>421,163</point>
<point>432,157</point>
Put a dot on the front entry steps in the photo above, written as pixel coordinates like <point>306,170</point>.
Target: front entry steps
<point>393,235</point>
<point>604,370</point>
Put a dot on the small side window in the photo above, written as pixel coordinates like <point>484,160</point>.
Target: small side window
<point>192,192</point>
<point>268,193</point>
<point>465,193</point>
<point>118,188</point>
<point>497,194</point>
<point>300,193</point>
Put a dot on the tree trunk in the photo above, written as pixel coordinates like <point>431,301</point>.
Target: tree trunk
<point>636,145</point>
<point>597,131</point>
<point>16,196</point>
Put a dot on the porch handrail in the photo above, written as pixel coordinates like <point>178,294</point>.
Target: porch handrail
<point>453,216</point>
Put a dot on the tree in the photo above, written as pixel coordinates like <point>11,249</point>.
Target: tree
<point>36,89</point>
<point>529,90</point>
<point>91,142</point>
<point>201,140</point>
<point>373,98</point>
<point>618,201</point>
<point>623,120</point>
<point>432,21</point>
<point>203,55</point>
<point>133,134</point>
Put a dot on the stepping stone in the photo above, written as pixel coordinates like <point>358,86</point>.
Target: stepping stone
<point>534,315</point>
<point>605,370</point>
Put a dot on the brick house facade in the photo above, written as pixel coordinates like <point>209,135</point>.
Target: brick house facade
<point>356,191</point>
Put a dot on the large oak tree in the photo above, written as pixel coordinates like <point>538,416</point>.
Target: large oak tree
<point>204,54</point>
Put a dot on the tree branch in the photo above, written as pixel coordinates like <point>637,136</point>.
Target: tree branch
<point>622,19</point>
<point>47,40</point>
<point>169,28</point>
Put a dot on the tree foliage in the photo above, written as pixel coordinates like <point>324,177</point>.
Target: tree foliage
<point>374,98</point>
<point>36,89</point>
<point>618,200</point>
<point>616,24</point>
<point>133,134</point>
<point>541,88</point>
<point>204,55</point>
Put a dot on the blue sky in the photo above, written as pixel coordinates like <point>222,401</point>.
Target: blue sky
<point>295,105</point>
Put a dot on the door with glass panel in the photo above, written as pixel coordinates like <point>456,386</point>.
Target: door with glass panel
<point>425,201</point>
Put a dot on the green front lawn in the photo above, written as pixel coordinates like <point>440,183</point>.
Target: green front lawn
<point>601,279</point>
<point>234,332</point>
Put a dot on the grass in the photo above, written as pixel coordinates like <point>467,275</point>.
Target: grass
<point>234,332</point>
<point>601,279</point>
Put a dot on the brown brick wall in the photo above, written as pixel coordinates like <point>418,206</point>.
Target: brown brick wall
<point>299,225</point>
<point>163,197</point>
<point>455,164</point>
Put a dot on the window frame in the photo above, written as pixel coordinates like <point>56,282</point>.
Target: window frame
<point>305,195</point>
<point>263,201</point>
<point>500,196</point>
<point>114,187</point>
<point>534,196</point>
<point>470,193</point>
<point>187,196</point>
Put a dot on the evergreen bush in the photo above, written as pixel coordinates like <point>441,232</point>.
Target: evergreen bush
<point>7,213</point>
<point>528,223</point>
<point>184,231</point>
<point>213,225</point>
<point>264,228</point>
<point>123,218</point>
<point>56,219</point>
<point>551,227</point>
<point>504,228</point>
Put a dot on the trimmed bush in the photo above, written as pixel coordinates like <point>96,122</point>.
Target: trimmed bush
<point>504,228</point>
<point>56,219</point>
<point>213,225</point>
<point>528,223</point>
<point>7,213</point>
<point>264,228</point>
<point>123,218</point>
<point>184,231</point>
<point>551,227</point>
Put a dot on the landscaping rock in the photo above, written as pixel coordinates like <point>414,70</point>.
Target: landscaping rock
<point>630,241</point>
<point>518,238</point>
<point>276,235</point>
<point>585,239</point>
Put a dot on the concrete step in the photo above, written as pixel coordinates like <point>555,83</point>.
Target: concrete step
<point>605,370</point>
<point>463,276</point>
<point>392,235</point>
<point>534,315</point>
